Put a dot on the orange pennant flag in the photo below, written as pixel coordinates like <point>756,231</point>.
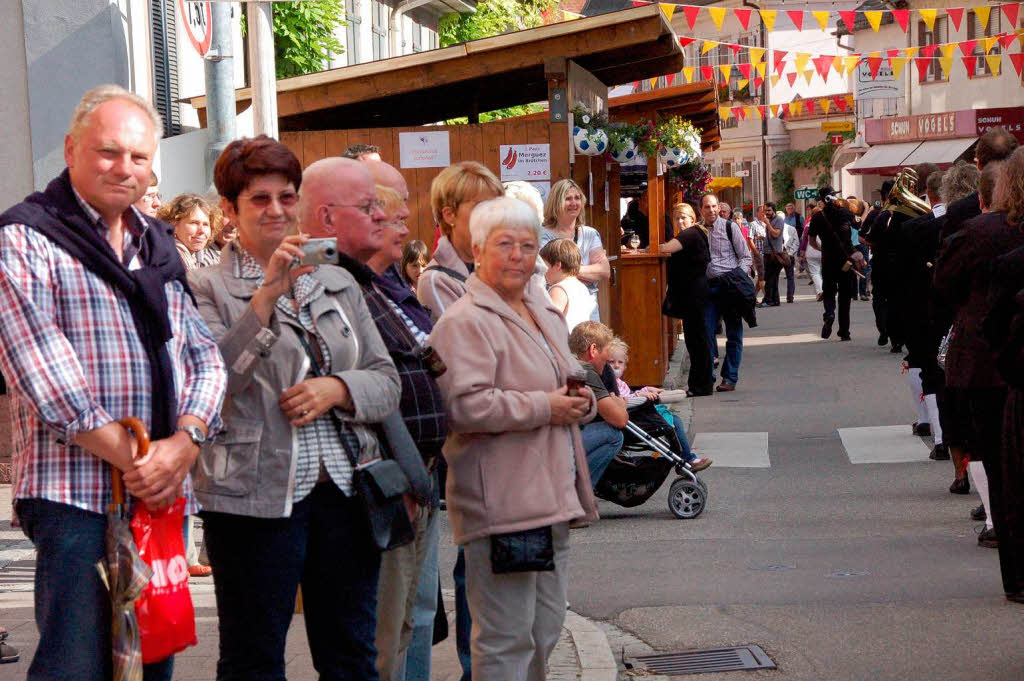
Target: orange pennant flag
<point>898,64</point>
<point>746,112</point>
<point>839,65</point>
<point>822,18</point>
<point>825,104</point>
<point>775,79</point>
<point>874,18</point>
<point>775,107</point>
<point>654,83</point>
<point>717,16</point>
<point>688,73</point>
<point>668,9</point>
<point>723,113</point>
<point>808,74</point>
<point>928,16</point>
<point>768,17</point>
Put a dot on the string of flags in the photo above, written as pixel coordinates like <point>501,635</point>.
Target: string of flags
<point>798,107</point>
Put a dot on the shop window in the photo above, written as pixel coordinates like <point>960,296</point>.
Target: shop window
<point>379,29</point>
<point>935,37</point>
<point>976,31</point>
<point>352,25</point>
<point>417,37</point>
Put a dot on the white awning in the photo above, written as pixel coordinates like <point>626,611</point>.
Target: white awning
<point>882,159</point>
<point>941,152</point>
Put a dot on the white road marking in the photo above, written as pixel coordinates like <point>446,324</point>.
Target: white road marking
<point>734,450</point>
<point>883,444</point>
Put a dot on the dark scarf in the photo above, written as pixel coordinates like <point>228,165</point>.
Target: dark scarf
<point>57,215</point>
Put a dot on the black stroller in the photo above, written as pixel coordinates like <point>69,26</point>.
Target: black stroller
<point>650,452</point>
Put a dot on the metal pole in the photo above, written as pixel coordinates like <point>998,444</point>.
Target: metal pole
<point>766,101</point>
<point>261,68</point>
<point>218,67</point>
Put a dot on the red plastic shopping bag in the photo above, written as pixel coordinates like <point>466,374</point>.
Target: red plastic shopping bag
<point>167,622</point>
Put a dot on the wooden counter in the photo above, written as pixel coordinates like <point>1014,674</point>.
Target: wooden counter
<point>636,291</point>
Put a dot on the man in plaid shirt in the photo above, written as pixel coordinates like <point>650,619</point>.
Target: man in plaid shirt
<point>97,324</point>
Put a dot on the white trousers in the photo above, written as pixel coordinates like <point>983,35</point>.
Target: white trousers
<point>813,256</point>
<point>977,471</point>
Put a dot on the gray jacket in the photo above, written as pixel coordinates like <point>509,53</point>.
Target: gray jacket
<point>249,469</point>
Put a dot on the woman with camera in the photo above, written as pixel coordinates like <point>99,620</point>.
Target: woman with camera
<point>308,375</point>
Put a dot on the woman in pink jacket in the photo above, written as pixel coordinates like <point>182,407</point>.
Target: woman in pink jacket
<point>517,471</point>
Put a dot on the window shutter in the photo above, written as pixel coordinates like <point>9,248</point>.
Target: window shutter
<point>165,64</point>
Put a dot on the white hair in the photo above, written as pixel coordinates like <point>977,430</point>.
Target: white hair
<point>524,191</point>
<point>504,211</point>
<point>105,93</point>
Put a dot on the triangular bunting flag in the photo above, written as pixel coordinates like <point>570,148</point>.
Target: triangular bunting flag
<point>902,17</point>
<point>874,18</point>
<point>898,64</point>
<point>762,110</point>
<point>742,83</point>
<point>810,105</point>
<point>808,74</point>
<point>927,16</point>
<point>822,19</point>
<point>707,45</point>
<point>1011,10</point>
<point>747,111</point>
<point>636,86</point>
<point>735,47</point>
<point>688,73</point>
<point>691,12</point>
<point>910,52</point>
<point>982,12</point>
<point>823,63</point>
<point>849,17</point>
<point>743,16</point>
<point>684,42</point>
<point>791,77</point>
<point>745,70</point>
<point>768,18</point>
<point>785,109</point>
<point>777,58</point>
<point>668,9</point>
<point>669,79</point>
<point>717,16</point>
<point>654,83</point>
<point>639,3</point>
<point>737,112</point>
<point>956,15</point>
<point>775,79</point>
<point>797,17</point>
<point>1018,63</point>
<point>989,43</point>
<point>967,47</point>
<point>825,105</point>
<point>723,113</point>
<point>707,73</point>
<point>797,107</point>
<point>761,68</point>
<point>849,101</point>
<point>1007,40</point>
<point>946,64</point>
<point>994,62</point>
<point>970,63</point>
<point>801,61</point>
<point>758,82</point>
<point>874,63</point>
<point>840,102</point>
<point>756,55</point>
<point>947,50</point>
<point>928,51</point>
<point>775,110</point>
<point>851,63</point>
<point>922,64</point>
<point>838,65</point>
<point>726,70</point>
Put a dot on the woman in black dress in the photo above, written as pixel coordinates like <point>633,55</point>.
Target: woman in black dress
<point>687,293</point>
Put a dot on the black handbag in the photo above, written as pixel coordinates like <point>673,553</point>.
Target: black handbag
<point>526,551</point>
<point>380,484</point>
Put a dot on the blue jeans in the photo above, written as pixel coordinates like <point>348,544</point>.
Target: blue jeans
<point>72,606</point>
<point>733,334</point>
<point>680,429</point>
<point>258,565</point>
<point>463,620</point>
<point>601,442</point>
<point>417,656</point>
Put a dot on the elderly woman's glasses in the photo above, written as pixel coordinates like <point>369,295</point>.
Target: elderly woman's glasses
<point>264,199</point>
<point>528,248</point>
<point>368,208</point>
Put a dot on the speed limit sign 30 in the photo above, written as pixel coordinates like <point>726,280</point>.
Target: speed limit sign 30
<point>198,20</point>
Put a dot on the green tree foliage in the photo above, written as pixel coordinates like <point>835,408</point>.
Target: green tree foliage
<point>818,157</point>
<point>304,35</point>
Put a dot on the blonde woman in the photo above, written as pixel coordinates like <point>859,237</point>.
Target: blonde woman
<point>563,219</point>
<point>453,195</point>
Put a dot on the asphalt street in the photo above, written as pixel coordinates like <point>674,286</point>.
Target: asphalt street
<point>839,570</point>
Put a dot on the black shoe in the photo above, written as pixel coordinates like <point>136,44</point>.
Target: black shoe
<point>960,486</point>
<point>789,301</point>
<point>940,453</point>
<point>1015,597</point>
<point>883,339</point>
<point>865,297</point>
<point>898,347</point>
<point>844,336</point>
<point>826,328</point>
<point>921,429</point>
<point>987,538</point>
<point>979,513</point>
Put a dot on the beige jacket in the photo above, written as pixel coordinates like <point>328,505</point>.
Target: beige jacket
<point>439,290</point>
<point>509,470</point>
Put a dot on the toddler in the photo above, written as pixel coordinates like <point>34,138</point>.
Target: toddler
<point>568,294</point>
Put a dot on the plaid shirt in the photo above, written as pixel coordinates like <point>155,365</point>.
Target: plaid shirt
<point>726,255</point>
<point>72,356</point>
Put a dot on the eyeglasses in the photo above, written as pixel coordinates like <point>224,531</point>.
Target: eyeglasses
<point>528,249</point>
<point>368,208</point>
<point>264,199</point>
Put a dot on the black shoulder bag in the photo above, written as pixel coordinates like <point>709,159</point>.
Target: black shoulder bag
<point>381,485</point>
<point>458,276</point>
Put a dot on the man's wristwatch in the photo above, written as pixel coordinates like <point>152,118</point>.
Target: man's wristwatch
<point>195,433</point>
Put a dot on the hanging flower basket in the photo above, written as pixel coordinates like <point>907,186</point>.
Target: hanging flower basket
<point>673,157</point>
<point>625,153</point>
<point>679,141</point>
<point>589,141</point>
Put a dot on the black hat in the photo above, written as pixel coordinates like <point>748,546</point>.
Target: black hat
<point>826,194</point>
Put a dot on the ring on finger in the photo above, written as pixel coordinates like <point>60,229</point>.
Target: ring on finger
<point>305,412</point>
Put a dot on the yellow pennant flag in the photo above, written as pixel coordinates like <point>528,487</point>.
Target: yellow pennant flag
<point>947,50</point>
<point>757,54</point>
<point>874,54</point>
<point>838,65</point>
<point>825,104</point>
<point>851,63</point>
<point>707,45</point>
<point>801,61</point>
<point>990,43</point>
<point>822,18</point>
<point>898,64</point>
<point>982,13</point>
<point>946,63</point>
<point>717,15</point>
<point>994,62</point>
<point>928,17</point>
<point>911,52</point>
<point>688,73</point>
<point>746,111</point>
<point>808,74</point>
<point>742,83</point>
<point>761,68</point>
<point>654,83</point>
<point>797,107</point>
<point>874,18</point>
<point>668,9</point>
<point>768,18</point>
<point>775,110</point>
<point>723,113</point>
<point>775,79</point>
<point>726,70</point>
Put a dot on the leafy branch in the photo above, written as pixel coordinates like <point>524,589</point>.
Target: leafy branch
<point>817,158</point>
<point>304,35</point>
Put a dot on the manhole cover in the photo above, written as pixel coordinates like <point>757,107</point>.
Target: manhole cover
<point>708,660</point>
<point>772,567</point>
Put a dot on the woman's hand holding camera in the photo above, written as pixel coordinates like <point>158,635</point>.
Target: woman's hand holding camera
<point>567,410</point>
<point>280,275</point>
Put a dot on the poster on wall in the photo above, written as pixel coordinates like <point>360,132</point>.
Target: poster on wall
<point>884,86</point>
<point>424,149</point>
<point>527,162</point>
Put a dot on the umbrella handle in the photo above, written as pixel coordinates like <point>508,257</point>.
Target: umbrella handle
<point>142,435</point>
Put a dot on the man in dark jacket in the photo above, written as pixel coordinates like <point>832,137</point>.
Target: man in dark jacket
<point>831,233</point>
<point>876,234</point>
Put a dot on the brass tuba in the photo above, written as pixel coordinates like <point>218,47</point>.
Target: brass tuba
<point>903,195</point>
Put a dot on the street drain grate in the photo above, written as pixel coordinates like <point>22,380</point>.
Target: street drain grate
<point>738,658</point>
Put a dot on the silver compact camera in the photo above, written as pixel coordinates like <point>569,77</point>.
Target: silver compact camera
<point>320,252</point>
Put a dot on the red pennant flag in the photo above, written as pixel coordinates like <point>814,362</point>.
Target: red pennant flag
<point>785,109</point>
<point>707,73</point>
<point>840,102</point>
<point>691,12</point>
<point>1018,63</point>
<point>686,41</point>
<point>928,50</point>
<point>763,110</point>
<point>1007,39</point>
<point>745,70</point>
<point>797,17</point>
<point>922,64</point>
<point>636,86</point>
<point>779,55</point>
<point>848,17</point>
<point>970,63</point>
<point>902,17</point>
<point>956,15</point>
<point>791,77</point>
<point>737,112</point>
<point>892,53</point>
<point>1011,11</point>
<point>744,17</point>
<point>809,105</point>
<point>758,82</point>
<point>669,79</point>
<point>640,3</point>
<point>823,63</point>
<point>967,47</point>
<point>735,48</point>
<point>874,63</point>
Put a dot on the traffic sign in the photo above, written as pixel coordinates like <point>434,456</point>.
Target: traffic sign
<point>837,126</point>
<point>198,20</point>
<point>805,193</point>
<point>742,173</point>
<point>837,139</point>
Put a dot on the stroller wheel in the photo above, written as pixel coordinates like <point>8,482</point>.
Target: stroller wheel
<point>703,486</point>
<point>686,499</point>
